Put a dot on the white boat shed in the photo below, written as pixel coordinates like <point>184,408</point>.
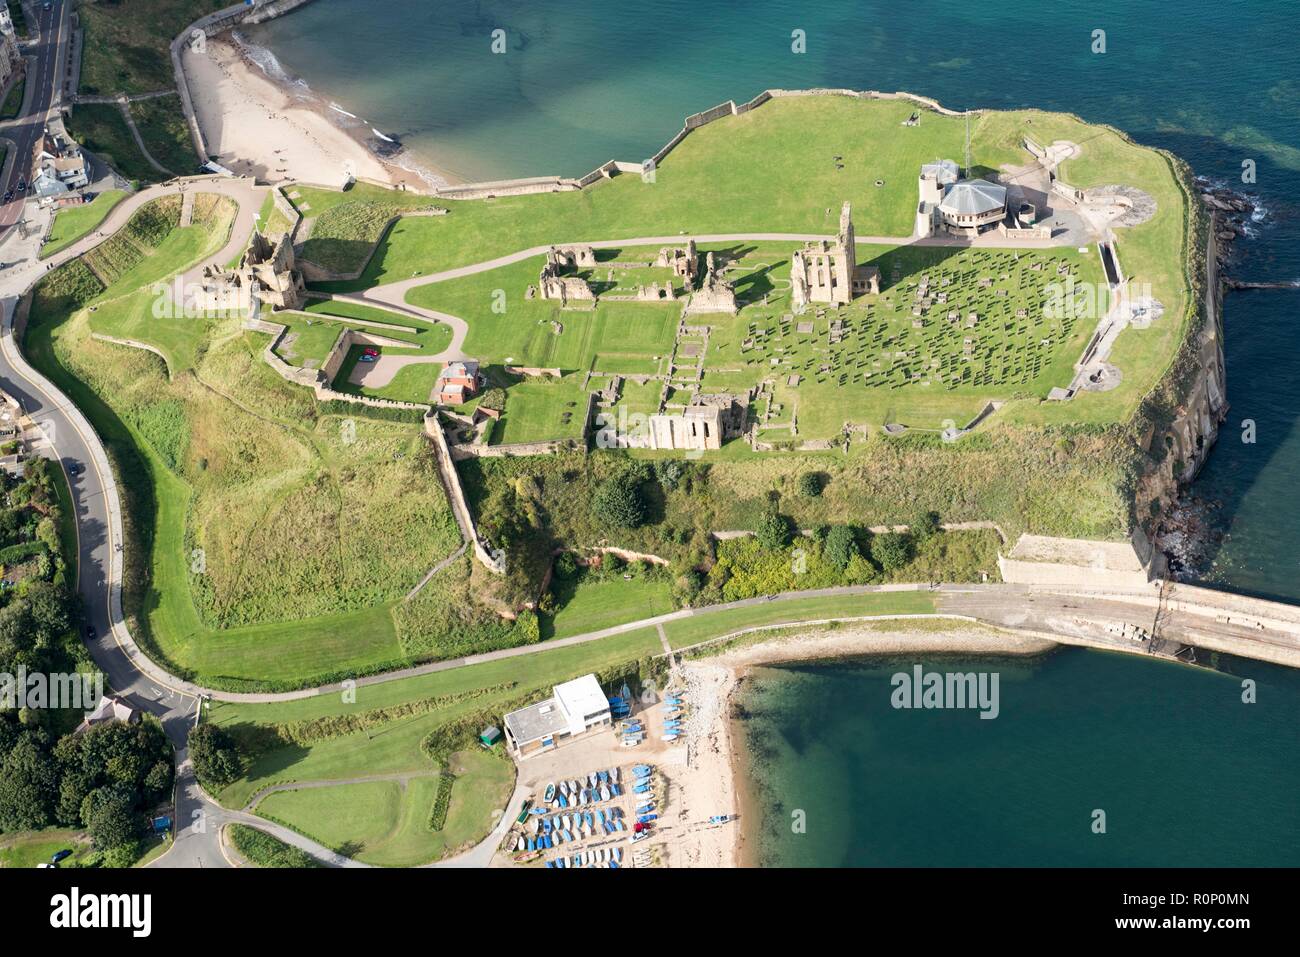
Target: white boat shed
<point>574,708</point>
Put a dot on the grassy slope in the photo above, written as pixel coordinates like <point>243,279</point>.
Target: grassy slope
<point>100,128</point>
<point>262,850</point>
<point>165,133</point>
<point>127,44</point>
<point>135,387</point>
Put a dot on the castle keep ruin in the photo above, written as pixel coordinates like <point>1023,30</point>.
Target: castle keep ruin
<point>827,270</point>
<point>267,272</point>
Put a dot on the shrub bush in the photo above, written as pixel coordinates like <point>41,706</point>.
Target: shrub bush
<point>774,530</point>
<point>890,551</point>
<point>810,484</point>
<point>618,502</point>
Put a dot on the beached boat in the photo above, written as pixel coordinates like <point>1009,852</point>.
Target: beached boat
<point>604,792</point>
<point>549,796</point>
<point>519,844</point>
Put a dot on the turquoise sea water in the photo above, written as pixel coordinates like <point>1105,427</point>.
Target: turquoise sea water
<point>1187,774</point>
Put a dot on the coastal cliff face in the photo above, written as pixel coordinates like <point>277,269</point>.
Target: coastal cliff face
<point>1182,419</point>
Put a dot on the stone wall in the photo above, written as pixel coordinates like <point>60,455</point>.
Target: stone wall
<point>456,493</point>
<point>287,210</point>
<point>318,380</point>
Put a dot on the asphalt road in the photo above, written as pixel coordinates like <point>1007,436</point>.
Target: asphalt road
<point>44,79</point>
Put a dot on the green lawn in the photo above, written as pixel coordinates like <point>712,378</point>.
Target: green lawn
<point>705,625</point>
<point>76,221</point>
<point>357,310</point>
<point>592,605</point>
<point>394,815</point>
<point>542,409</point>
<point>29,848</point>
<point>350,818</point>
<point>13,102</point>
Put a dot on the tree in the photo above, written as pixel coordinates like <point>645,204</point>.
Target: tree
<point>774,530</point>
<point>566,566</point>
<point>841,546</point>
<point>890,551</point>
<point>924,526</point>
<point>29,785</point>
<point>217,761</point>
<point>810,484</point>
<point>618,502</point>
<point>108,813</point>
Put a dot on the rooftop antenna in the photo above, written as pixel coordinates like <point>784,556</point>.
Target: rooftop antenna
<point>968,144</point>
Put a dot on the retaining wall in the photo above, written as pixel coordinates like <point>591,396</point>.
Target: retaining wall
<point>455,492</point>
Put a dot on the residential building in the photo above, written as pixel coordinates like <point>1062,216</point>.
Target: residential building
<point>457,382</point>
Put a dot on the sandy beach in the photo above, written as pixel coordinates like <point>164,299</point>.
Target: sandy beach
<point>712,781</point>
<point>280,134</point>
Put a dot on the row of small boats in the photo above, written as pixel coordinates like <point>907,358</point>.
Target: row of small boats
<point>674,723</point>
<point>560,829</point>
<point>598,787</point>
<point>611,857</point>
<point>632,732</point>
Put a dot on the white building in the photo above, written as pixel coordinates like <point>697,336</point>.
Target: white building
<point>573,709</point>
<point>973,205</point>
<point>965,207</point>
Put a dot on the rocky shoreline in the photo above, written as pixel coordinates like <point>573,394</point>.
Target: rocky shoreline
<point>1236,211</point>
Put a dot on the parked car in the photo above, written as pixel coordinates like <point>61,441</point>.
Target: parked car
<point>367,358</point>
<point>9,195</point>
<point>91,633</point>
<point>22,186</point>
<point>75,468</point>
<point>370,351</point>
<point>60,855</point>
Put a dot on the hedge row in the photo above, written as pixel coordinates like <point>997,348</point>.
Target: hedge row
<point>441,801</point>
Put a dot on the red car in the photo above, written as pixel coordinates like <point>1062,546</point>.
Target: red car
<point>371,351</point>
